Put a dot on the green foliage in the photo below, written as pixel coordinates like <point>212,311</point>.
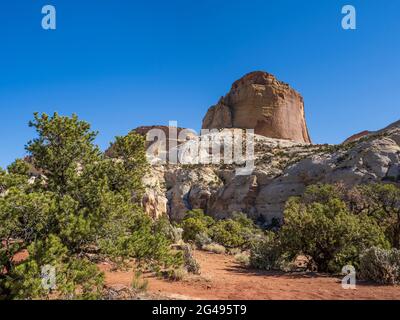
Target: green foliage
<point>194,223</point>
<point>63,145</point>
<point>228,233</point>
<point>83,202</point>
<point>128,167</point>
<point>326,232</point>
<point>322,193</point>
<point>74,278</point>
<point>243,220</point>
<point>191,265</point>
<point>382,202</point>
<point>19,167</point>
<point>237,231</point>
<point>202,239</point>
<point>25,216</point>
<point>142,241</point>
<point>192,227</point>
<point>171,232</point>
<point>267,254</point>
<point>198,214</point>
<point>10,180</point>
<point>332,226</point>
<point>138,283</point>
<point>381,266</point>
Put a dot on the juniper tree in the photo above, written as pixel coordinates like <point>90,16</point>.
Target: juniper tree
<point>81,202</point>
<point>325,231</point>
<point>382,202</point>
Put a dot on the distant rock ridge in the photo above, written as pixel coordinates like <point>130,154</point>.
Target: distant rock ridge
<point>261,102</point>
<point>357,136</point>
<point>365,133</point>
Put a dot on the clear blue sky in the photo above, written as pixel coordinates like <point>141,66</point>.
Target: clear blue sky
<point>123,63</point>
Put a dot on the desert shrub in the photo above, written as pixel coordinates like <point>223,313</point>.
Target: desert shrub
<point>177,274</point>
<point>234,251</point>
<point>138,283</point>
<point>194,223</point>
<point>326,232</point>
<point>199,214</point>
<point>382,202</point>
<point>193,227</point>
<point>176,234</point>
<point>322,193</point>
<point>171,232</point>
<point>250,232</point>
<point>202,239</point>
<point>149,248</point>
<point>237,231</point>
<point>190,263</point>
<point>215,248</point>
<point>229,233</point>
<point>243,220</point>
<point>267,254</point>
<point>243,258</point>
<point>381,266</point>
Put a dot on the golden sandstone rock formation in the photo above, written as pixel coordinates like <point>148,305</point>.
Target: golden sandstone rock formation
<point>261,102</point>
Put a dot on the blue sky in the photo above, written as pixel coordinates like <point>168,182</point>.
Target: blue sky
<point>123,63</point>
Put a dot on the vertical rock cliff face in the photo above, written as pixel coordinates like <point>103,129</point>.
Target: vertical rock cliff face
<point>259,101</point>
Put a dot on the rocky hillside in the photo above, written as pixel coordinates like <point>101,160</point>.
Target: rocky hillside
<point>282,169</point>
<point>285,160</point>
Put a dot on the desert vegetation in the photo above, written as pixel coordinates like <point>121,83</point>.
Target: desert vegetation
<point>236,232</point>
<point>68,206</point>
<point>82,207</point>
<point>331,226</point>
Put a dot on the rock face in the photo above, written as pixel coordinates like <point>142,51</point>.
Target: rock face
<point>282,169</point>
<point>259,101</point>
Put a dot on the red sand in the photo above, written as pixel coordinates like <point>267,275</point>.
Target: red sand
<point>223,278</point>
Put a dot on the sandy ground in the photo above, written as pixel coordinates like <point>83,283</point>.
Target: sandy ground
<point>224,279</point>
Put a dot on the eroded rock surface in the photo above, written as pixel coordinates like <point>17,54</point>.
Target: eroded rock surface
<point>282,169</point>
<point>261,102</point>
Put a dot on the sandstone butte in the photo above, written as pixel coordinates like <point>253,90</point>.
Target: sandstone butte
<point>261,102</point>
